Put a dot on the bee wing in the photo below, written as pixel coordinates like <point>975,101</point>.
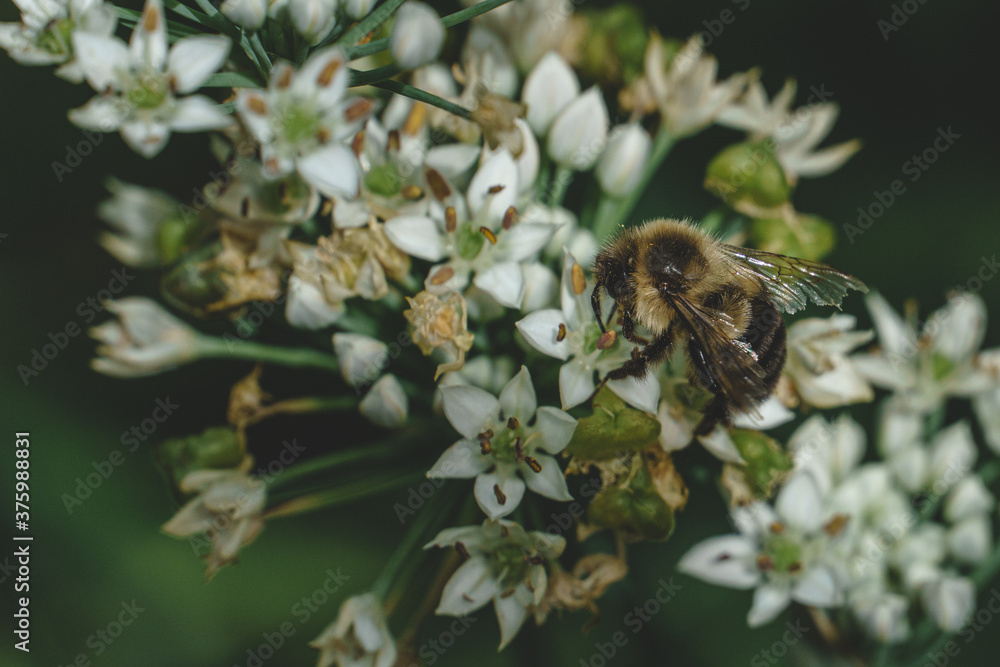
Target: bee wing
<point>792,282</point>
<point>729,364</point>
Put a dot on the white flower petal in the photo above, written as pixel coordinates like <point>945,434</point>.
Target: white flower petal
<point>193,59</point>
<point>772,413</point>
<point>418,236</point>
<point>768,601</point>
<point>816,587</point>
<point>721,446</point>
<point>198,113</point>
<point>549,88</point>
<point>386,403</point>
<point>504,282</point>
<point>497,171</point>
<point>101,58</point>
<point>145,138</point>
<point>524,240</point>
<point>148,46</point>
<point>511,486</point>
<point>556,427</point>
<point>101,113</point>
<point>578,135</point>
<point>511,614</point>
<point>727,560</point>
<point>541,330</point>
<point>463,460</point>
<point>333,170</point>
<point>469,588</point>
<point>549,481</point>
<point>576,384</point>
<point>799,503</point>
<point>642,393</point>
<point>307,307</point>
<point>517,399</point>
<point>469,409</point>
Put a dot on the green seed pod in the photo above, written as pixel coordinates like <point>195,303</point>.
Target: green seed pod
<point>807,236</point>
<point>748,174</point>
<point>612,428</point>
<point>218,447</point>
<point>766,461</point>
<point>635,509</point>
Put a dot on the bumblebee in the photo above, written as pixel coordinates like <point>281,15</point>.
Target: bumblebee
<point>720,301</point>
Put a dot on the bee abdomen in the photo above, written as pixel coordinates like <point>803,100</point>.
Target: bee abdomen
<point>766,336</point>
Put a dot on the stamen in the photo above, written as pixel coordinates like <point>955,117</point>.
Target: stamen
<point>795,567</point>
<point>512,423</point>
<point>561,334</point>
<point>777,528</point>
<point>765,563</point>
<point>443,275</point>
<point>415,120</point>
<point>607,339</point>
<point>322,135</point>
<point>412,192</point>
<point>245,207</point>
<point>501,498</point>
<point>579,279</point>
<point>151,19</point>
<point>518,449</point>
<point>495,189</point>
<point>284,78</point>
<point>462,551</point>
<point>358,110</point>
<point>358,143</point>
<point>325,77</point>
<point>450,219</point>
<point>438,185</point>
<point>257,104</point>
<point>490,236</point>
<point>509,217</point>
<point>836,525</point>
<point>533,464</point>
<point>392,143</point>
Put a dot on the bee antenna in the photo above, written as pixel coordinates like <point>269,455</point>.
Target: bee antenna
<point>595,302</point>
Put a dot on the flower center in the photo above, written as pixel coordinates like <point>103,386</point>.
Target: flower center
<point>782,554</point>
<point>149,91</point>
<point>57,37</point>
<point>384,180</point>
<point>300,123</point>
<point>468,241</point>
<point>510,564</point>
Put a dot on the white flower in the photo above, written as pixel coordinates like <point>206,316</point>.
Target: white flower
<point>578,134</point>
<point>313,19</point>
<point>249,14</point>
<point>136,214</point>
<point>504,564</point>
<point>358,9</point>
<point>971,539</point>
<point>468,241</point>
<point>359,637</point>
<point>571,333</point>
<point>361,358</point>
<point>987,407</point>
<point>501,438</point>
<point>139,83</point>
<point>549,88</point>
<point>417,35</point>
<point>779,552</point>
<point>145,340</point>
<point>950,601</point>
<point>307,306</point>
<point>818,365</point>
<point>45,34</point>
<point>303,119</point>
<point>685,91</point>
<point>228,510</point>
<point>795,133</point>
<point>830,452</point>
<point>884,617</point>
<point>624,160</point>
<point>386,404</point>
<point>925,368</point>
<point>970,497</point>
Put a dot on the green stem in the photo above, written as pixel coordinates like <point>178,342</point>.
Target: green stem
<point>412,539</point>
<point>560,183</point>
<point>661,147</point>
<point>407,90</point>
<point>372,76</point>
<point>346,493</point>
<point>183,10</point>
<point>218,348</point>
<point>369,23</point>
<point>328,462</point>
<point>450,21</point>
<point>258,49</point>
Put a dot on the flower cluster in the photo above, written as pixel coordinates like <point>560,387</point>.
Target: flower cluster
<point>395,196</point>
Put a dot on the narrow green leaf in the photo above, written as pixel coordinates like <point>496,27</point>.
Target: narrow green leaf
<point>232,80</point>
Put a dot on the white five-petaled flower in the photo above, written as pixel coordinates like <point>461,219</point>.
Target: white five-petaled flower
<point>228,510</point>
<point>501,438</point>
<point>685,90</point>
<point>795,133</point>
<point>478,234</point>
<point>505,564</point>
<point>145,340</point>
<point>924,367</point>
<point>139,83</point>
<point>571,333</point>
<point>778,551</point>
<point>45,34</point>
<point>303,119</point>
<point>359,637</point>
<point>818,365</point>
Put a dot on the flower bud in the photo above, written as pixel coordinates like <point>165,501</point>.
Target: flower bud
<point>249,14</point>
<point>748,175</point>
<point>417,35</point>
<point>579,132</point>
<point>612,427</point>
<point>548,89</point>
<point>614,45</point>
<point>636,509</point>
<point>949,600</point>
<point>968,498</point>
<point>218,447</point>
<point>144,340</point>
<point>807,236</point>
<point>358,9</point>
<point>970,539</point>
<point>386,404</point>
<point>624,161</point>
<point>361,358</point>
<point>313,19</point>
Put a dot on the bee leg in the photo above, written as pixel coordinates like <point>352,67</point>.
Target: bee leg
<point>717,412</point>
<point>638,366</point>
<point>628,330</point>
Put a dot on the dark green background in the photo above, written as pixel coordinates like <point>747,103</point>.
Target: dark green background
<point>937,71</point>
